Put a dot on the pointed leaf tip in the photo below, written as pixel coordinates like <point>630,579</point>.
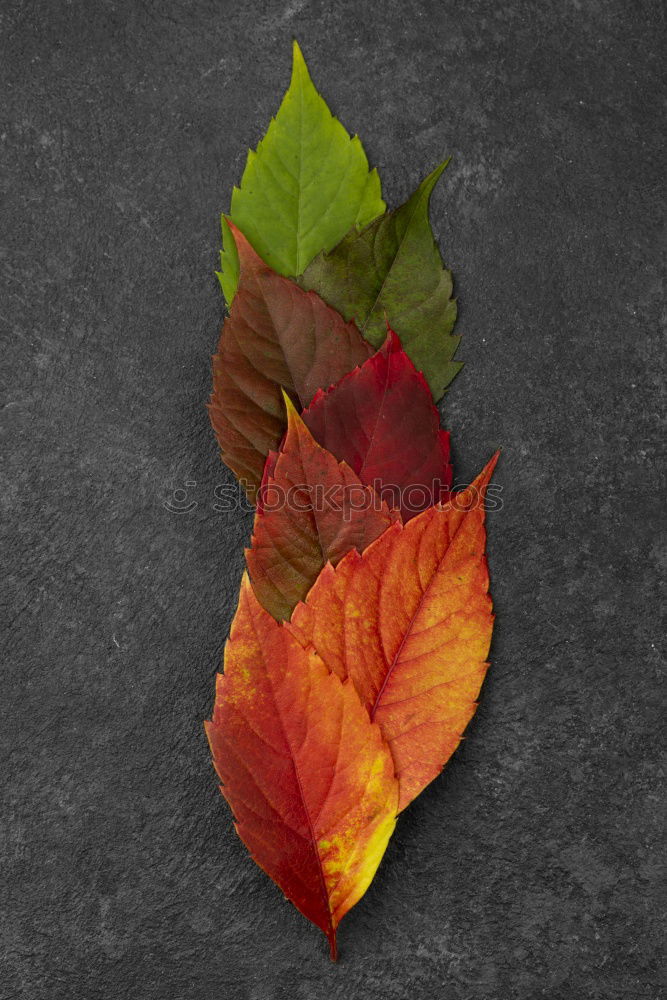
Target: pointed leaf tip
<point>492,463</point>
<point>431,179</point>
<point>293,418</point>
<point>299,64</point>
<point>484,478</point>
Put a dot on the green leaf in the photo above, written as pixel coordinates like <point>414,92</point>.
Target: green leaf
<point>392,272</point>
<point>307,183</point>
<point>228,275</point>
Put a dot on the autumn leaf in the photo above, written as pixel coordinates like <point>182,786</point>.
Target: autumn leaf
<point>392,271</point>
<point>409,622</point>
<point>314,509</point>
<point>304,187</point>
<point>307,775</point>
<point>276,337</point>
<point>381,420</point>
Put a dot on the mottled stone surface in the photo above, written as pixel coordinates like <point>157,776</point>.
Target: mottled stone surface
<point>530,868</point>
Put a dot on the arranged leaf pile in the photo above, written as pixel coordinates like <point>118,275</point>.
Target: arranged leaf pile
<point>360,641</point>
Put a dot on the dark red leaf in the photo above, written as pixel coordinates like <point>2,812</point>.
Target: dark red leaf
<point>381,420</point>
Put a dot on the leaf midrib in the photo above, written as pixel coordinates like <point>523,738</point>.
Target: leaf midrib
<point>411,623</point>
<point>297,229</point>
<point>392,265</point>
<point>311,829</point>
<point>377,417</point>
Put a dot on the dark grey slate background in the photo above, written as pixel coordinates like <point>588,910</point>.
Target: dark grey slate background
<point>530,868</point>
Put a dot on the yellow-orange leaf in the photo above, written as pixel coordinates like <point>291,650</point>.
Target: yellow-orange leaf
<point>309,779</point>
<point>409,622</point>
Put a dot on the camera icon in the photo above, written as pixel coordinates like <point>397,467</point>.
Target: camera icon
<point>180,502</point>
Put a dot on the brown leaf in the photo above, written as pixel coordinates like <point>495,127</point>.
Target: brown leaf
<point>276,337</point>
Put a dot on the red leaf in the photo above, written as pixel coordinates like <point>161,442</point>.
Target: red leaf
<point>311,510</point>
<point>381,420</point>
<point>307,775</point>
<point>276,337</point>
<point>409,622</point>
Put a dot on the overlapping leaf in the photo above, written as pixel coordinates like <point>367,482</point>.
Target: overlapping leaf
<point>361,637</point>
<point>307,775</point>
<point>393,270</point>
<point>276,337</point>
<point>381,420</point>
<point>304,187</point>
<point>409,622</point>
<point>314,510</point>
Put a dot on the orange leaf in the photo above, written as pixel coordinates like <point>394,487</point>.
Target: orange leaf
<point>306,773</point>
<point>409,622</point>
<point>313,510</point>
<point>276,336</point>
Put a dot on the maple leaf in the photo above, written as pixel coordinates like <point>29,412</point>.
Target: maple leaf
<point>308,777</point>
<point>393,270</point>
<point>304,187</point>
<point>381,420</point>
<point>409,622</point>
<point>313,510</point>
<point>276,337</point>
